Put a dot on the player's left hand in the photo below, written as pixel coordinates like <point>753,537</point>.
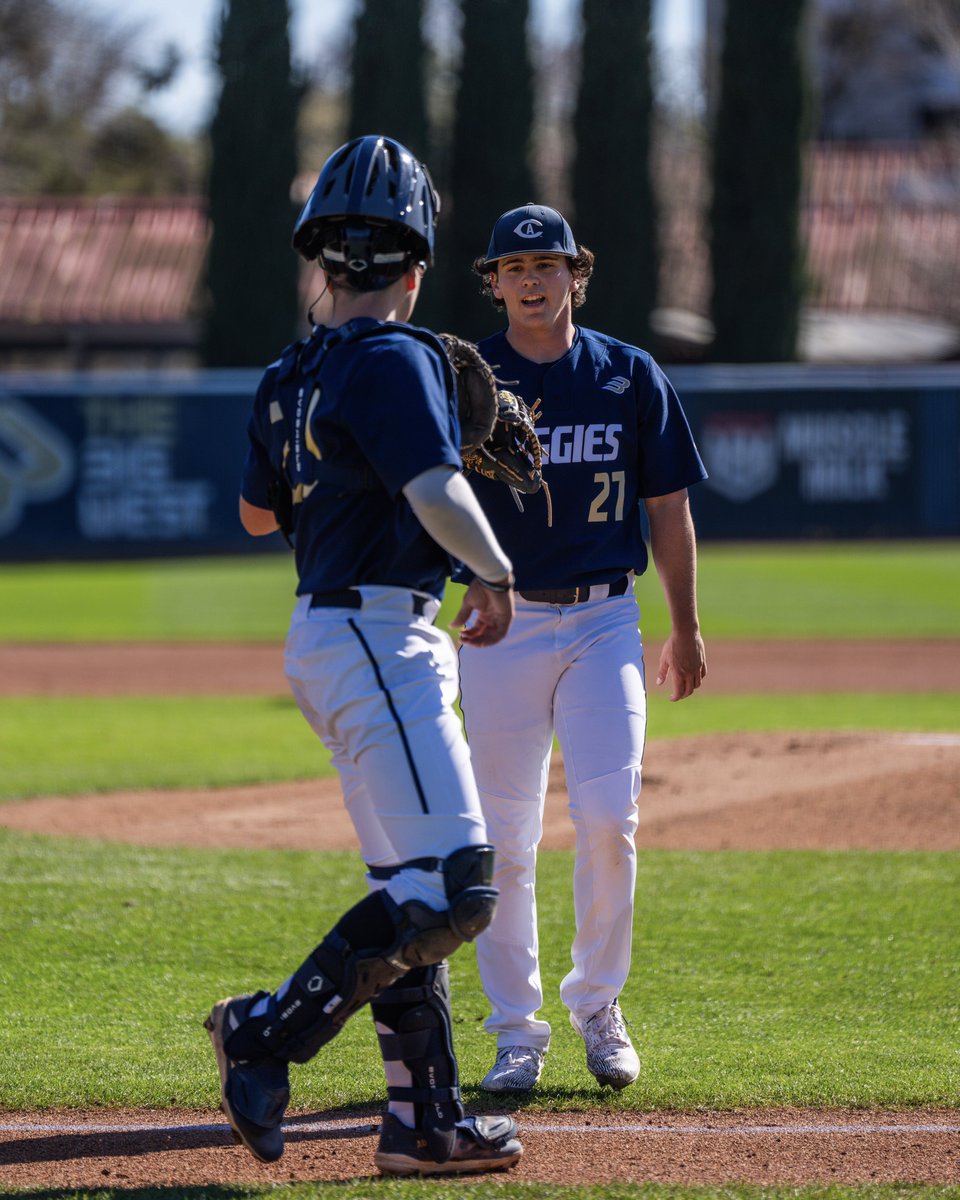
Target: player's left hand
<point>686,659</point>
<point>492,611</point>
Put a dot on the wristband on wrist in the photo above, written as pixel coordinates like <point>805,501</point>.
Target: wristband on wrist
<point>496,587</point>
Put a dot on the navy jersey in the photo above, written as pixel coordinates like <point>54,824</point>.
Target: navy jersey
<point>346,418</point>
<point>613,433</point>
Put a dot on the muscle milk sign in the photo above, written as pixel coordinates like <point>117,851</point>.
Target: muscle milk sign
<point>836,455</point>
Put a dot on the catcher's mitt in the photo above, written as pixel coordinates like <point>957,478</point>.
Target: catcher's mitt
<point>476,391</point>
<point>512,453</point>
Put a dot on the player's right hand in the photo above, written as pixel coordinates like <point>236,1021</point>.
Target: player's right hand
<point>686,659</point>
<point>492,613</point>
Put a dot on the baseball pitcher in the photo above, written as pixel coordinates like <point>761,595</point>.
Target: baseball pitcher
<point>615,444</point>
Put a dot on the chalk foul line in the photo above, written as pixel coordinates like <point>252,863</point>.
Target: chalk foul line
<point>531,1127</point>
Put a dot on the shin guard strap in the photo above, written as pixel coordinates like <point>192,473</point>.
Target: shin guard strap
<point>430,1095</point>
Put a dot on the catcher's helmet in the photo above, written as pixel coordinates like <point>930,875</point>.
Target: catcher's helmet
<point>372,212</point>
<point>529,229</point>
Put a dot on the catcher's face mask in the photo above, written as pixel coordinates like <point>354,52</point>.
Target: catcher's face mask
<point>367,258</point>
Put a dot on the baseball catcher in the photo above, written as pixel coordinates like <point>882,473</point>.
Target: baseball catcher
<point>356,426</point>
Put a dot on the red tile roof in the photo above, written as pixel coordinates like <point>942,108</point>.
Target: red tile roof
<point>133,261</point>
<point>882,228</point>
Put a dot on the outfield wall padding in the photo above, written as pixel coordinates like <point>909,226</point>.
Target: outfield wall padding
<point>126,465</point>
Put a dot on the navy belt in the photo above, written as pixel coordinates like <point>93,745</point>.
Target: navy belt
<point>351,598</point>
<point>419,864</point>
<point>574,595</point>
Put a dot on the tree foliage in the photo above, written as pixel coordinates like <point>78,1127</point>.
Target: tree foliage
<point>757,175</point>
<point>388,87</point>
<point>886,70</point>
<point>70,82</point>
<point>252,273</point>
<point>490,169</point>
<point>614,208</point>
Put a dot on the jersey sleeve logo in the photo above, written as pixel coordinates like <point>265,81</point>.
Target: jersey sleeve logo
<point>618,384</point>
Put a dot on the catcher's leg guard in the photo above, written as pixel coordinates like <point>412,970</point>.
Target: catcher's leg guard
<point>415,1029</point>
<point>354,961</point>
<point>368,949</point>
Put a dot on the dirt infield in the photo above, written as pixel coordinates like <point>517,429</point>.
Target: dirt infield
<point>743,791</point>
<point>758,1146</point>
<point>867,791</point>
<point>808,791</point>
<point>771,665</point>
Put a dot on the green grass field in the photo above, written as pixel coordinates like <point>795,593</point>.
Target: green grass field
<point>783,978</point>
<point>759,978</point>
<point>810,590</point>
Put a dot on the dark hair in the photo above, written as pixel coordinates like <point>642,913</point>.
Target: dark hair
<point>581,267</point>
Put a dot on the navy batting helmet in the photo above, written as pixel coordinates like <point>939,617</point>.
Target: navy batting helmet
<point>532,228</point>
<point>372,212</point>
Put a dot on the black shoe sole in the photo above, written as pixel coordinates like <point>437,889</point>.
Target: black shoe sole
<point>403,1164</point>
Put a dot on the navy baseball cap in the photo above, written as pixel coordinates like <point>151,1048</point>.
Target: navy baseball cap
<point>529,229</point>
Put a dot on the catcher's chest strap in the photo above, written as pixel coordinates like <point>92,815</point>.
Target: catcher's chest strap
<point>577,595</point>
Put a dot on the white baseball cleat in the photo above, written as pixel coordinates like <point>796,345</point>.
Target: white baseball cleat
<point>611,1057</point>
<point>517,1069</point>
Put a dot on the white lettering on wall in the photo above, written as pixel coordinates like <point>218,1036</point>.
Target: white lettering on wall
<point>846,455</point>
<point>843,455</point>
<point>127,488</point>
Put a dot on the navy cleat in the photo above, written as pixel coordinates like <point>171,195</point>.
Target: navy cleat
<point>482,1144</point>
<point>254,1094</point>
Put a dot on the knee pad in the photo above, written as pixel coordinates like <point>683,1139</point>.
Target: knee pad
<point>468,882</point>
<point>415,1028</point>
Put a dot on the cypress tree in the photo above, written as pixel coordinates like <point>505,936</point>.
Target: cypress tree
<point>490,154</point>
<point>388,95</point>
<point>252,273</point>
<point>387,85</point>
<point>755,247</point>
<point>614,207</point>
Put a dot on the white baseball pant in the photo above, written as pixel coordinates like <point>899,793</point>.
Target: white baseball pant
<point>377,685</point>
<point>575,670</point>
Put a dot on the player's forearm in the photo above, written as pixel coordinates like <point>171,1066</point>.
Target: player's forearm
<point>446,507</point>
<point>673,544</point>
<point>257,521</point>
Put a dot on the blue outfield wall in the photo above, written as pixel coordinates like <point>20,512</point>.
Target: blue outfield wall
<point>123,465</point>
<point>138,465</point>
<point>798,451</point>
<point>808,451</point>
